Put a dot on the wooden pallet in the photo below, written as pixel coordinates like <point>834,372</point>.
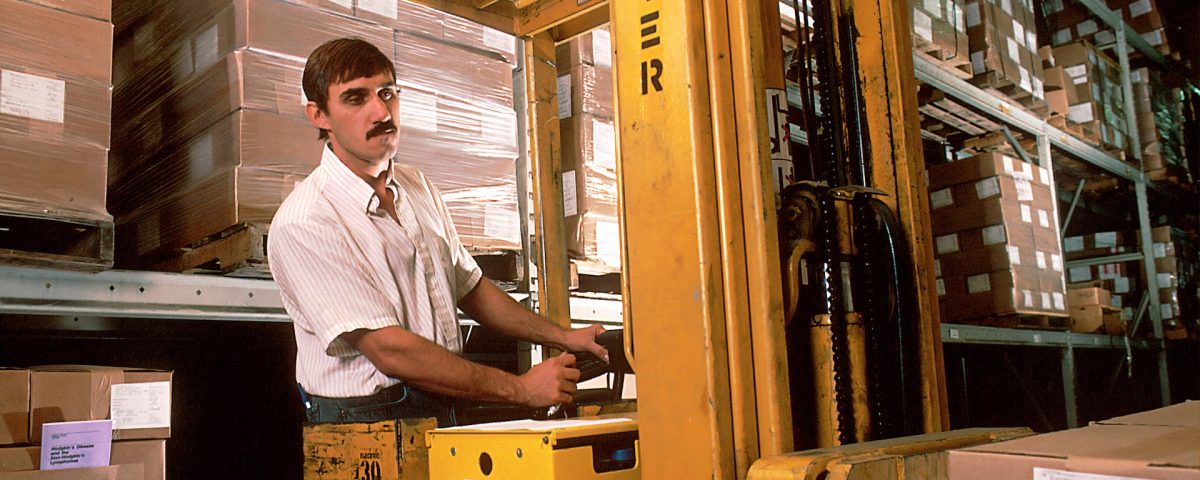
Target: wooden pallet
<point>34,239</point>
<point>1002,87</point>
<point>1018,320</point>
<point>957,65</point>
<point>239,251</point>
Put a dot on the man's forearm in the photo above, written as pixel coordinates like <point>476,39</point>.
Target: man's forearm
<point>494,309</point>
<point>425,365</point>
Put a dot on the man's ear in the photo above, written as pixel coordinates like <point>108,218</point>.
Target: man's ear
<point>316,116</point>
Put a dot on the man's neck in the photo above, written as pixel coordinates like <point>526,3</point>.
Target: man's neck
<point>375,173</point>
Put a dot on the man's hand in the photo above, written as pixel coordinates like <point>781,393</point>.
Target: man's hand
<point>550,382</point>
<point>584,340</point>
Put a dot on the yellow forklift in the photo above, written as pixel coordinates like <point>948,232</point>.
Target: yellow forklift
<point>762,316</point>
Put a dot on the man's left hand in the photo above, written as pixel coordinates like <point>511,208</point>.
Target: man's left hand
<point>584,340</point>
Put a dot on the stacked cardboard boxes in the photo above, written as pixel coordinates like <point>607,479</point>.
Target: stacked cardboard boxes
<point>137,400</point>
<point>1004,45</point>
<point>585,111</point>
<point>1099,110</point>
<point>1092,311</point>
<point>940,29</point>
<point>211,115</point>
<point>55,104</point>
<point>996,239</point>
<point>1067,21</point>
<point>1160,123</point>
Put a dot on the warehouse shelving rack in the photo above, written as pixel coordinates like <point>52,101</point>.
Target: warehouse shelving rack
<point>1049,137</point>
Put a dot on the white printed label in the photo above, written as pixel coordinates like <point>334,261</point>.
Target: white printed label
<point>1024,189</point>
<point>1013,50</point>
<point>1086,28</point>
<point>941,198</point>
<point>1031,40</point>
<point>1121,285</point>
<point>1026,214</point>
<point>1139,8</point>
<point>977,65</point>
<point>979,283</point>
<point>987,188</point>
<point>1028,296</point>
<point>418,110</point>
<point>608,242</point>
<point>601,48</point>
<point>570,195</point>
<point>1166,311</point>
<point>994,235</point>
<point>1166,280</point>
<point>141,405</point>
<point>1154,38</point>
<point>31,96</point>
<point>343,3</point>
<point>1081,113</point>
<point>973,16</point>
<point>1117,301</point>
<point>1014,254</point>
<point>1060,303</point>
<point>1076,71</point>
<point>922,25</point>
<point>1041,260</point>
<point>1106,239</point>
<point>1044,175</point>
<point>941,287</point>
<point>1105,37</point>
<point>937,267</point>
<point>1160,250</point>
<point>1060,37</point>
<point>564,96</point>
<point>604,144</point>
<point>1052,6</point>
<point>1045,299</point>
<point>947,243</point>
<point>934,7</point>
<point>1026,171</point>
<point>1008,164</point>
<point>1056,262</point>
<point>208,47</point>
<point>1080,274</point>
<point>1018,30</point>
<point>386,8</point>
<point>1073,244</point>
<point>499,41</point>
<point>1043,218</point>
<point>1026,80</point>
<point>1006,5</point>
<point>500,222</point>
<point>499,127</point>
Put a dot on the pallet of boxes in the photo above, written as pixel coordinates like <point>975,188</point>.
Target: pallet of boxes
<point>55,95</point>
<point>585,112</point>
<point>1122,282</point>
<point>84,422</point>
<point>997,244</point>
<point>212,134</point>
<point>1004,51</point>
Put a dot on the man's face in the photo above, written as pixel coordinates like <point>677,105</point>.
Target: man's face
<point>361,118</point>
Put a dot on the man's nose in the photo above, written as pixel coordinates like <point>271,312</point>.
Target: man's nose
<point>379,110</point>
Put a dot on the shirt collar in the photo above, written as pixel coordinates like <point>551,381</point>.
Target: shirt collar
<point>350,184</point>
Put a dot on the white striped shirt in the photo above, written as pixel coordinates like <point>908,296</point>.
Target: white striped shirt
<point>343,264</point>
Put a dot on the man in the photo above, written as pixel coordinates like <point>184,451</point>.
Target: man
<point>370,269</point>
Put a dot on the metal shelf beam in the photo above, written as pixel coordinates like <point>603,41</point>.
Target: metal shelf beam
<point>1087,262</point>
<point>1114,20</point>
<point>974,334</point>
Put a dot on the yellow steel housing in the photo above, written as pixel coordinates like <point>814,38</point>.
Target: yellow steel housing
<point>556,449</point>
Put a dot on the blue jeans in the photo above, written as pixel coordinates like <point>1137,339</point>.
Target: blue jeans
<point>395,402</point>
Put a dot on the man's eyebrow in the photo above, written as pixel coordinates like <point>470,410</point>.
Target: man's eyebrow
<point>353,92</point>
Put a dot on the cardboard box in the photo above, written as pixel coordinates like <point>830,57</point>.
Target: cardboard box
<point>1156,444</point>
<point>1095,318</point>
<point>999,211</point>
<point>940,25</point>
<point>585,89</point>
<point>63,393</point>
<point>592,48</point>
<point>115,472</point>
<point>80,114</point>
<point>1003,44</point>
<point>1001,186</point>
<point>18,459</point>
<point>390,449</point>
<point>590,189</point>
<point>151,454</point>
<point>1019,290</point>
<point>55,177</point>
<point>984,165</point>
<point>97,9</point>
<point>14,406</point>
<point>1078,297</point>
<point>452,73</point>
<point>56,42</point>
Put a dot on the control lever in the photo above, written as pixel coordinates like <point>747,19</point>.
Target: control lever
<point>590,366</point>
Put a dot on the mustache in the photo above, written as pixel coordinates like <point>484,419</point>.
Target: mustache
<point>382,128</point>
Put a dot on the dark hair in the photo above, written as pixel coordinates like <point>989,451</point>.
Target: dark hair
<point>341,60</point>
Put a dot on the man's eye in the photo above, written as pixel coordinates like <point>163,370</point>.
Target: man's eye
<point>387,94</point>
<point>355,100</point>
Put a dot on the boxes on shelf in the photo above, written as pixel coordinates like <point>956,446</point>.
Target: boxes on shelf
<point>940,29</point>
<point>1092,311</point>
<point>1100,111</point>
<point>67,393</point>
<point>14,406</point>
<point>996,239</point>
<point>1159,125</point>
<point>1067,21</point>
<point>1156,444</point>
<point>585,111</point>
<point>211,96</point>
<point>1003,43</point>
<point>133,459</point>
<point>55,105</point>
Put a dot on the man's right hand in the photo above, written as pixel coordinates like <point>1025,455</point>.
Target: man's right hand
<point>550,382</point>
